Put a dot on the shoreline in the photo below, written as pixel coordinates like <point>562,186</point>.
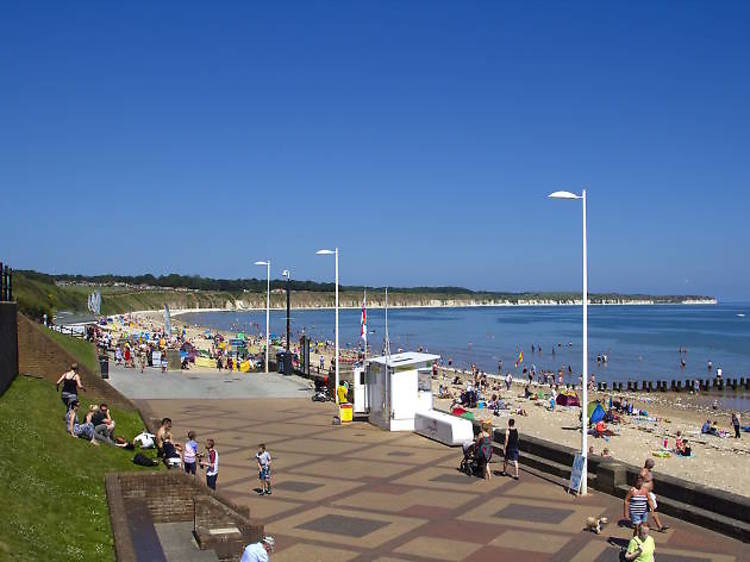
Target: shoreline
<point>181,311</point>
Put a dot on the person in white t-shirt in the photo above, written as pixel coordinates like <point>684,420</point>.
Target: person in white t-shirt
<point>259,551</point>
<point>263,458</point>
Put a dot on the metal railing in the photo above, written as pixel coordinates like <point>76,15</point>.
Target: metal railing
<point>6,283</point>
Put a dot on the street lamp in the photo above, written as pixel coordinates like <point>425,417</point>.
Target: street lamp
<point>286,274</point>
<point>335,253</point>
<point>584,405</point>
<point>267,263</point>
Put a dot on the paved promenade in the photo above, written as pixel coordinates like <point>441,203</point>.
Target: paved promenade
<point>204,383</point>
<point>357,493</point>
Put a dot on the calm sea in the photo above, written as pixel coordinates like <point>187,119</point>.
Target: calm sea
<point>641,342</point>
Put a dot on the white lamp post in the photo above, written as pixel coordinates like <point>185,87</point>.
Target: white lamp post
<point>335,253</point>
<point>267,263</point>
<point>584,405</point>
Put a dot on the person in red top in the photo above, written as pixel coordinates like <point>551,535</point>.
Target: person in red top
<point>211,464</point>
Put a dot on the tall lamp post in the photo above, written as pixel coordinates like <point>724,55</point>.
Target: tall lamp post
<point>286,274</point>
<point>267,263</point>
<point>335,253</point>
<point>584,405</point>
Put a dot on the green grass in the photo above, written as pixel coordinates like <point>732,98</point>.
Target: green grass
<point>82,350</point>
<point>53,500</point>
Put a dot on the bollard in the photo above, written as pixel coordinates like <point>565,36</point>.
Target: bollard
<point>734,384</point>
<point>719,384</point>
<point>747,383</point>
<point>630,386</point>
<point>604,386</point>
<point>599,386</point>
<point>649,387</point>
<point>679,386</point>
<point>705,384</point>
<point>663,386</point>
<point>644,385</point>
<point>673,386</point>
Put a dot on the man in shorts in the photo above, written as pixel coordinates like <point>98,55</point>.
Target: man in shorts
<point>648,481</point>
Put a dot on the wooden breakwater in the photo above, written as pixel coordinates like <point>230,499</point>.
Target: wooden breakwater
<point>679,385</point>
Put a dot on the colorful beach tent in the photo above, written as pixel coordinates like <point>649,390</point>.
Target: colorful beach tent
<point>567,399</point>
<point>595,412</point>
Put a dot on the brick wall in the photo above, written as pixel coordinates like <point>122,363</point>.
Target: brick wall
<point>8,345</point>
<point>39,355</point>
<point>172,496</point>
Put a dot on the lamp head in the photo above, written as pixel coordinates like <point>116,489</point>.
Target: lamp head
<point>325,252</point>
<point>564,195</point>
<point>286,273</point>
<point>262,263</point>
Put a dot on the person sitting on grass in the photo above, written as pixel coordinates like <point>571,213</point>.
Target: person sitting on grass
<point>164,428</point>
<point>103,422</point>
<point>76,429</point>
<point>171,452</point>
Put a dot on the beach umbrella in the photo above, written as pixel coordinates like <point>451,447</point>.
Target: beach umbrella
<point>595,412</point>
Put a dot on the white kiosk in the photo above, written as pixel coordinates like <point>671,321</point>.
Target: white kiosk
<point>396,392</point>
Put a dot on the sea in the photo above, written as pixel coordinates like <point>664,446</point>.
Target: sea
<point>641,342</point>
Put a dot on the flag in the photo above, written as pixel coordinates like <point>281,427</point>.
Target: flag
<point>363,323</point>
<point>520,359</point>
<point>167,323</point>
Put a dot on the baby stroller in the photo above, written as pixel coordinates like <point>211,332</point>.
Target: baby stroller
<point>470,462</point>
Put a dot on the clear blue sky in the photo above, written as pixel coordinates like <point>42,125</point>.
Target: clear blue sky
<point>421,137</point>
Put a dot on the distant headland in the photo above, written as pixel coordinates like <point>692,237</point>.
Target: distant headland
<point>41,293</point>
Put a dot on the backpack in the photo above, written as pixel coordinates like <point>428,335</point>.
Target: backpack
<point>142,460</point>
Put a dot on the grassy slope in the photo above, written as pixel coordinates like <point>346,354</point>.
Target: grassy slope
<point>53,497</point>
<point>79,348</point>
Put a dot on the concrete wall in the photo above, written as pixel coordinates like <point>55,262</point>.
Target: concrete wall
<point>8,345</point>
<point>40,356</point>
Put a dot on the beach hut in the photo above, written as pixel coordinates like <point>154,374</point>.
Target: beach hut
<point>595,412</point>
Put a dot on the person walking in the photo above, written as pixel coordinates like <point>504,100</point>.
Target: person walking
<point>71,381</point>
<point>641,547</point>
<point>510,448</point>
<point>736,424</point>
<point>648,481</point>
<point>637,504</point>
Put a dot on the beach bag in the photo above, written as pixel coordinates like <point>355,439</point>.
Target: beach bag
<point>142,460</point>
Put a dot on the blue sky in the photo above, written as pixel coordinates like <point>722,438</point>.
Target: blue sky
<point>420,137</point>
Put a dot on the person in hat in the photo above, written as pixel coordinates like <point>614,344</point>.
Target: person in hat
<point>259,551</point>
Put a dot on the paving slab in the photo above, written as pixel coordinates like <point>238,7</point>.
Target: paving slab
<point>354,492</point>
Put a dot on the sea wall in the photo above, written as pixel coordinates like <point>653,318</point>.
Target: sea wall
<point>8,345</point>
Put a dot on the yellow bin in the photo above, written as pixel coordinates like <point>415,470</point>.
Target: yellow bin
<point>345,413</point>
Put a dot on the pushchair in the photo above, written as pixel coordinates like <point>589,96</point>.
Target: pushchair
<point>470,461</point>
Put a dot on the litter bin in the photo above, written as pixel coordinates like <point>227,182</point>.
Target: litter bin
<point>284,362</point>
<point>104,366</point>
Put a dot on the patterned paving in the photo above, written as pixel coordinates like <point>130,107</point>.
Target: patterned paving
<point>356,493</point>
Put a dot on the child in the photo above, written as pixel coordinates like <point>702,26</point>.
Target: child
<point>263,459</point>
<point>189,453</point>
<point>211,464</point>
<point>163,362</point>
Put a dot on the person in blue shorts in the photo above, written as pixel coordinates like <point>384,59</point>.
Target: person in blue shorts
<point>263,458</point>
